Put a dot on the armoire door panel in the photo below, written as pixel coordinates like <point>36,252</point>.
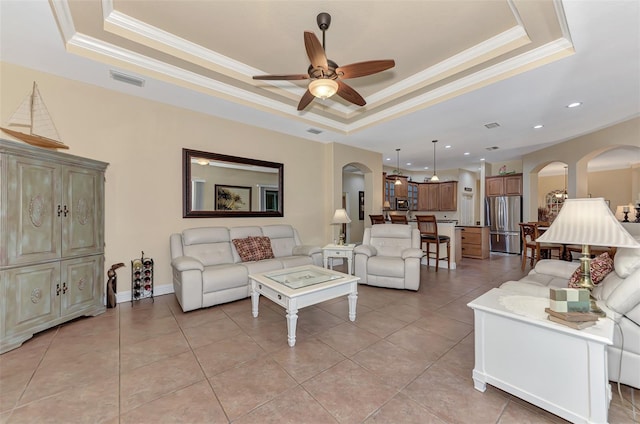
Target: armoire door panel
<point>33,202</point>
<point>80,283</point>
<point>82,219</point>
<point>32,296</point>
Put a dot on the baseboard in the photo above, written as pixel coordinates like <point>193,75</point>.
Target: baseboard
<point>125,296</point>
<point>432,262</point>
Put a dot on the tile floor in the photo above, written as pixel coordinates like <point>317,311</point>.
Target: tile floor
<point>406,359</point>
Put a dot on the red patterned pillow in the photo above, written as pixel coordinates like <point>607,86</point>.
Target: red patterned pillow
<point>599,268</point>
<point>262,246</point>
<point>245,248</point>
<point>253,248</point>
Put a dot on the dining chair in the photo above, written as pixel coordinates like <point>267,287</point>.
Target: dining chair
<point>399,219</point>
<point>428,226</point>
<point>377,219</point>
<point>531,249</point>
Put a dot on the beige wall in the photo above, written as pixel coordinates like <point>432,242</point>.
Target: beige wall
<point>143,140</point>
<point>576,153</point>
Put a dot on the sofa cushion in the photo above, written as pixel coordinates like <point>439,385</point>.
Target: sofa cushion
<point>222,277</point>
<point>253,248</point>
<point>599,267</point>
<point>283,239</point>
<point>210,245</point>
<point>626,261</point>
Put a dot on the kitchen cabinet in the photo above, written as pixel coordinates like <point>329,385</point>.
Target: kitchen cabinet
<point>52,221</point>
<point>412,196</point>
<point>393,191</point>
<point>474,242</point>
<point>438,196</point>
<point>504,185</point>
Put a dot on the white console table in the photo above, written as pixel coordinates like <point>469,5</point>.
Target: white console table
<point>518,350</point>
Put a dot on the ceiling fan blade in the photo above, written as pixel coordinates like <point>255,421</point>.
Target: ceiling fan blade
<point>281,77</point>
<point>316,54</point>
<point>307,97</point>
<point>362,69</point>
<point>349,94</point>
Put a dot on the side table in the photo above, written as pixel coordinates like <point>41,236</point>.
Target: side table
<point>518,350</point>
<point>339,251</point>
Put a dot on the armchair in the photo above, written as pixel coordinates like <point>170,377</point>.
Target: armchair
<point>389,256</point>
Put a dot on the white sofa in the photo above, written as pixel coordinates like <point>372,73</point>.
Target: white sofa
<point>620,292</point>
<point>389,256</point>
<point>207,269</point>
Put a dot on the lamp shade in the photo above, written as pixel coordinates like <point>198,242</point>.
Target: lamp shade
<point>340,217</point>
<point>386,204</point>
<point>323,88</point>
<point>587,222</point>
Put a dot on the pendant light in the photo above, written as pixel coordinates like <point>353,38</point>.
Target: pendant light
<point>435,176</point>
<point>564,195</point>
<point>398,180</point>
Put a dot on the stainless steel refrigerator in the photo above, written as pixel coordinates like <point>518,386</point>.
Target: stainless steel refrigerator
<point>503,214</point>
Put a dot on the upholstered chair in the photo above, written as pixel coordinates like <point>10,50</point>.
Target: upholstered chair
<point>389,256</point>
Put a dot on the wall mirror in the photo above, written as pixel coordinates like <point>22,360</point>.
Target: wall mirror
<point>216,186</point>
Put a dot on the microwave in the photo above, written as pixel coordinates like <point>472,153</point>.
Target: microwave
<point>402,205</point>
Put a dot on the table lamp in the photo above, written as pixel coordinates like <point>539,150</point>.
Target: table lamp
<point>385,207</point>
<point>587,222</point>
<point>340,217</point>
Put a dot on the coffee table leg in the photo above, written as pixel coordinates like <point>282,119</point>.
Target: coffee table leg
<point>292,321</point>
<point>255,300</point>
<point>353,299</point>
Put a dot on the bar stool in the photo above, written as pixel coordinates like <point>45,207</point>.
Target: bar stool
<point>428,227</point>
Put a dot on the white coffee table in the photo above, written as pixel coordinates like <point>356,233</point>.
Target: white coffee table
<point>298,287</point>
<point>339,251</point>
<point>555,367</point>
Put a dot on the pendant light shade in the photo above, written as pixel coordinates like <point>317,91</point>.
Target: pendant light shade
<point>435,176</point>
<point>398,180</point>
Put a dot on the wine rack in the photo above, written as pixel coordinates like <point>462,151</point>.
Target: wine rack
<point>141,279</point>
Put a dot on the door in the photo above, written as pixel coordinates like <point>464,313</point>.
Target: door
<point>79,284</point>
<point>32,297</point>
<point>82,212</point>
<point>32,207</point>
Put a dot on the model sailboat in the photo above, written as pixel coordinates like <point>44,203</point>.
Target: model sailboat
<point>32,114</point>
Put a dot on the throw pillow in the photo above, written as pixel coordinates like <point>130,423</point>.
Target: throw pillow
<point>600,267</point>
<point>253,248</point>
<point>626,261</point>
<point>262,246</point>
<point>245,248</point>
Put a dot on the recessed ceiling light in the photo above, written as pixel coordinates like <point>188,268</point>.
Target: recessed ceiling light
<point>447,146</point>
<point>537,127</point>
<point>426,167</point>
<point>574,104</point>
<point>388,158</point>
<point>408,163</point>
<point>467,153</point>
<point>481,159</point>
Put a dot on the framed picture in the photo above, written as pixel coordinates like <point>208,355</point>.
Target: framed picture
<point>232,198</point>
<point>361,205</point>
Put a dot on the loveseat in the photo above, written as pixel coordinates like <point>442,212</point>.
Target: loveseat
<point>208,268</point>
<point>619,291</point>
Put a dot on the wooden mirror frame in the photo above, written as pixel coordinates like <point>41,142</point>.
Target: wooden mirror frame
<point>187,212</point>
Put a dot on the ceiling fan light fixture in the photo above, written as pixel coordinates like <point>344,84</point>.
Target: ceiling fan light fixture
<point>323,88</point>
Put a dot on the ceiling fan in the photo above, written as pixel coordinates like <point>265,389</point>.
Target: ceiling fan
<point>325,74</point>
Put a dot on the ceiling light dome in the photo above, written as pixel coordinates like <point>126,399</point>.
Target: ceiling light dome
<point>323,88</point>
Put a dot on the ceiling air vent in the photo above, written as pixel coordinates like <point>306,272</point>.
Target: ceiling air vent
<point>127,79</point>
<point>314,131</point>
<point>492,125</point>
<point>492,148</point>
